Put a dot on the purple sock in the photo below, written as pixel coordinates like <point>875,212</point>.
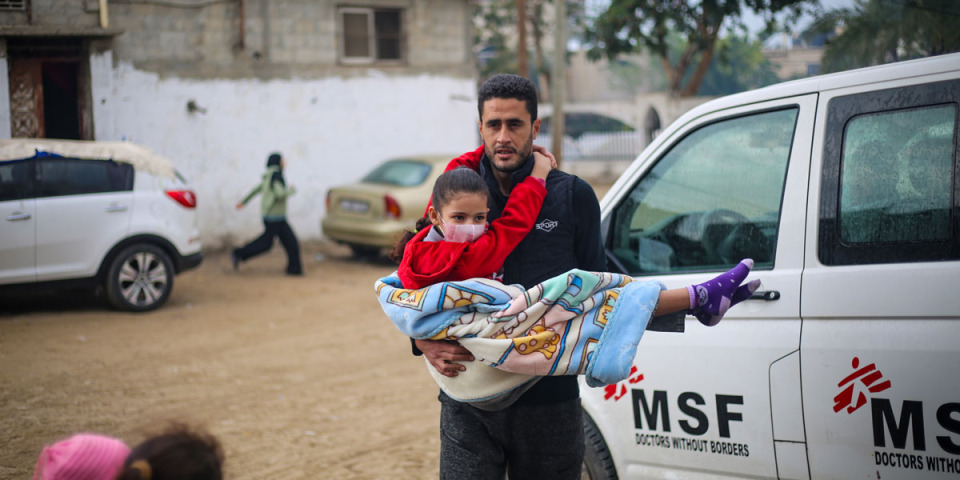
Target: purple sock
<point>710,300</point>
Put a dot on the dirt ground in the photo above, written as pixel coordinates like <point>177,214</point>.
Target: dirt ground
<point>299,377</point>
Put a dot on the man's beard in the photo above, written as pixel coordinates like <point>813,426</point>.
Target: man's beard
<point>523,154</point>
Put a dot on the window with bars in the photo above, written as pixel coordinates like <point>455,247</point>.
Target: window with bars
<point>13,5</point>
<point>371,35</point>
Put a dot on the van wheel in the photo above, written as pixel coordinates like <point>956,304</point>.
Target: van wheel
<point>597,463</point>
<point>140,278</point>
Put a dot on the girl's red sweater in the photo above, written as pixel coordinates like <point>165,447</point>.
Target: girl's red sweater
<point>426,263</point>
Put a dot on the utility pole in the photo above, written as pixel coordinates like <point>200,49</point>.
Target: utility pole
<point>558,85</point>
<point>522,63</point>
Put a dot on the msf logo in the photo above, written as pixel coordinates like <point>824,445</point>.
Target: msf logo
<point>885,419</point>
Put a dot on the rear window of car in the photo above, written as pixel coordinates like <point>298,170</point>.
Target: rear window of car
<point>70,176</point>
<point>14,180</point>
<point>400,173</point>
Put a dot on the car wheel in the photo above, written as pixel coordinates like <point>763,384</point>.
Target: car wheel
<point>597,462</point>
<point>140,278</point>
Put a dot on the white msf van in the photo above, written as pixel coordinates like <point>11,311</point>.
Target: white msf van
<point>845,190</point>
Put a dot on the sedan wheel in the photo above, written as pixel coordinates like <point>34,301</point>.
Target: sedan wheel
<point>140,278</point>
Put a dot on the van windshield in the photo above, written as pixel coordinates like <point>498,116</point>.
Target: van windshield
<point>710,201</point>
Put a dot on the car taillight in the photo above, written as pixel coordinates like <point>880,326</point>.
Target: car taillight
<point>184,197</point>
<point>391,207</point>
<point>327,202</point>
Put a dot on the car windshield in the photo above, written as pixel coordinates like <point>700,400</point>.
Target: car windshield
<point>401,173</point>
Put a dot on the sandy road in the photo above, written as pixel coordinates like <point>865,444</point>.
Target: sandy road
<point>299,377</point>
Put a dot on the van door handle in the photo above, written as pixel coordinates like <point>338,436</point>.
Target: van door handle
<point>116,208</point>
<point>768,296</point>
<point>18,216</point>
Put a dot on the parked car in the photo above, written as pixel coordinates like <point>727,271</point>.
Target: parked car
<point>114,216</point>
<point>371,214</point>
<point>593,137</point>
<point>844,190</point>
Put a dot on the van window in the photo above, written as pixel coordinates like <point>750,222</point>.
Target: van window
<point>895,176</point>
<point>710,201</point>
<point>888,192</point>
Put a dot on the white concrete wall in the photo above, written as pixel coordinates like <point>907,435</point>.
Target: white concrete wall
<point>5,125</point>
<point>101,93</point>
<point>330,131</point>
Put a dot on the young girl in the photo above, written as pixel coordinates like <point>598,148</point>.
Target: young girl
<point>84,456</point>
<point>578,323</point>
<point>273,191</point>
<point>460,245</point>
<point>178,452</point>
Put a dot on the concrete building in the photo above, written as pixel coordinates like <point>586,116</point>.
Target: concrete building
<point>796,62</point>
<point>635,98</point>
<point>216,85</point>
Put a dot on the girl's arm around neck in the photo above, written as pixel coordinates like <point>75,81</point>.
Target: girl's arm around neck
<point>486,254</point>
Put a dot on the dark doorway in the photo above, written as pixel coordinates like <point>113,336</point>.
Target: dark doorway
<point>61,110</point>
<point>49,88</point>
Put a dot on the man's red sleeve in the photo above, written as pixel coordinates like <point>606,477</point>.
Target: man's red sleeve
<point>470,160</point>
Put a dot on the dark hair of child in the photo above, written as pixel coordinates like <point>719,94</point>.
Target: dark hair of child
<point>448,185</point>
<point>178,453</point>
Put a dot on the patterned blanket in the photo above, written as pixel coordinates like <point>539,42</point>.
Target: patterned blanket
<point>578,323</point>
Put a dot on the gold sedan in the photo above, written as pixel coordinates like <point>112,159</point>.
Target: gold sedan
<point>371,214</point>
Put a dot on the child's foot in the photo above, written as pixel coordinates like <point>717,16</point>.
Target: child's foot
<point>709,301</point>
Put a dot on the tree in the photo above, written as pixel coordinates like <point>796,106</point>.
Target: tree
<point>884,31</point>
<point>739,65</point>
<point>497,32</point>
<point>523,66</point>
<point>628,26</point>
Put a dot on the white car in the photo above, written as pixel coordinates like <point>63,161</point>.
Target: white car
<point>592,137</point>
<point>112,215</point>
<point>845,190</point>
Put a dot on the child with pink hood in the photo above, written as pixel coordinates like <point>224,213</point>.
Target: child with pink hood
<point>84,456</point>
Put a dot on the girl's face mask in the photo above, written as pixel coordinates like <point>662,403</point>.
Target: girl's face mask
<point>469,210</point>
<point>462,233</point>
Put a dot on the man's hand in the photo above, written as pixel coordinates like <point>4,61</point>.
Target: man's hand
<point>443,353</point>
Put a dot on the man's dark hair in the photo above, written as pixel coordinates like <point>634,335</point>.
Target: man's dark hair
<point>504,85</point>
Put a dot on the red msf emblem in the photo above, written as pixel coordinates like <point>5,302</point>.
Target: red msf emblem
<point>610,391</point>
<point>870,376</point>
